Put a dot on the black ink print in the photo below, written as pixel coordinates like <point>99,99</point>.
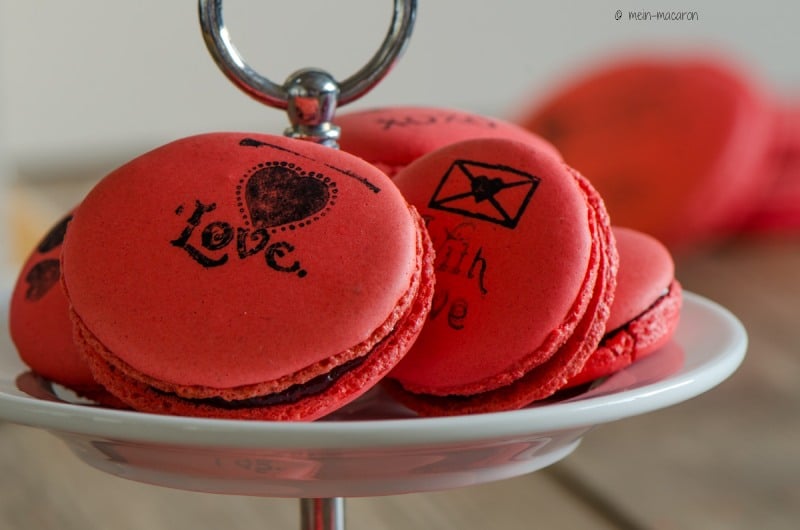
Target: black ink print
<point>428,120</point>
<point>272,198</point>
<point>41,278</point>
<point>282,195</point>
<point>495,193</point>
<point>251,142</point>
<point>54,237</point>
<point>193,222</point>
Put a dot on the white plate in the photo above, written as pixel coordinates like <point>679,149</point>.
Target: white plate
<point>373,447</point>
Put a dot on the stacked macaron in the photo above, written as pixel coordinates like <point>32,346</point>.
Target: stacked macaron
<point>245,276</point>
<point>526,267</point>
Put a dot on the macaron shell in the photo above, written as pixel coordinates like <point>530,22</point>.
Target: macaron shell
<point>39,321</point>
<point>509,294</point>
<point>663,138</point>
<point>393,137</point>
<point>184,266</point>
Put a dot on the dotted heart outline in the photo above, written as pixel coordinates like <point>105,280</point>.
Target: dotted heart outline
<point>331,185</point>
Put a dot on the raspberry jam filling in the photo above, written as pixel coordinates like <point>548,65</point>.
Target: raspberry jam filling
<point>291,394</point>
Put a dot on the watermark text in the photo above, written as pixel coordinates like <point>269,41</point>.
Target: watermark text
<point>657,16</point>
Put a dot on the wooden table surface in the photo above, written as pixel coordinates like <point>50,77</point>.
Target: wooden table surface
<point>729,459</point>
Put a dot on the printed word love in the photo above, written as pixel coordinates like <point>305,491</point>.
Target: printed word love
<point>209,246</point>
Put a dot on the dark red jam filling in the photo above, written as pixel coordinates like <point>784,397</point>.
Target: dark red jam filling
<point>624,326</point>
<point>293,394</point>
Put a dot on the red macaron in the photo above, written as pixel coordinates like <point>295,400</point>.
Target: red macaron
<point>393,137</point>
<point>646,308</point>
<point>245,276</point>
<point>778,209</point>
<point>676,145</point>
<point>39,321</point>
<point>525,273</point>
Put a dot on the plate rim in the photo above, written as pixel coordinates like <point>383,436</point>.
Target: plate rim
<point>139,427</point>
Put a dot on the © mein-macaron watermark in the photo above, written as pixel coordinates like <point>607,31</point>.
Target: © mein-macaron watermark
<point>645,15</point>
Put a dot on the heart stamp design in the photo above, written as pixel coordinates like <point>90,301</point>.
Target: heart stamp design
<point>46,273</point>
<point>484,188</point>
<point>41,278</point>
<point>54,237</point>
<point>280,195</point>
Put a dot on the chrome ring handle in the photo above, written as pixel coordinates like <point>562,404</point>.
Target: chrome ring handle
<point>310,95</point>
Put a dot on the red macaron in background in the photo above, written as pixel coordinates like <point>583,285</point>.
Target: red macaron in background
<point>245,276</point>
<point>525,273</point>
<point>778,211</point>
<point>392,137</point>
<point>39,322</point>
<point>677,145</point>
<point>646,308</point>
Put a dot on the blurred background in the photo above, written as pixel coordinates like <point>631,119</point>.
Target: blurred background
<point>85,86</point>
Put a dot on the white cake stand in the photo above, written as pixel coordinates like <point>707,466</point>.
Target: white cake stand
<point>374,446</point>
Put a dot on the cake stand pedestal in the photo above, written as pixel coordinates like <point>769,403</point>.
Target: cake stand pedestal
<point>322,514</point>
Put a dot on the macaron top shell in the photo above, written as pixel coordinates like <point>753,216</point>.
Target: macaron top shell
<point>499,308</point>
<point>671,143</point>
<point>393,137</point>
<point>646,270</point>
<point>231,259</point>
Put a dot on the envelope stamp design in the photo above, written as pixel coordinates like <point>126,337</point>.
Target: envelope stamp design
<point>490,192</point>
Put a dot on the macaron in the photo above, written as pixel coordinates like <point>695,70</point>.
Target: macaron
<point>646,308</point>
<point>525,275</point>
<point>778,209</point>
<point>392,137</point>
<point>39,322</point>
<point>676,145</point>
<point>248,276</point>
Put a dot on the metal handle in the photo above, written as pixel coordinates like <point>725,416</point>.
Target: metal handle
<point>310,96</point>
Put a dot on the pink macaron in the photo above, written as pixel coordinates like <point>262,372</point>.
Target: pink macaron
<point>646,308</point>
<point>393,137</point>
<point>525,274</point>
<point>245,276</point>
